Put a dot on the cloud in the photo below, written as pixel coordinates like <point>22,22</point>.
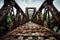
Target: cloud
<point>1,3</point>
<point>56,4</point>
<point>31,3</point>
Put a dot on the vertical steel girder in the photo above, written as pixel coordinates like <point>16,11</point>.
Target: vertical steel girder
<point>51,8</point>
<point>4,11</point>
<point>39,10</point>
<point>54,13</point>
<point>18,8</point>
<point>48,3</point>
<point>14,4</point>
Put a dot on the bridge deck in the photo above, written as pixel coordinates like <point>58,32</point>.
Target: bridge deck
<point>31,31</point>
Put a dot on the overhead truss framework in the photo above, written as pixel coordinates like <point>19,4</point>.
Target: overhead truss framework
<point>47,5</point>
<point>49,8</point>
<point>8,6</point>
<point>18,19</point>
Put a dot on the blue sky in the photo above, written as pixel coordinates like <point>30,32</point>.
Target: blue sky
<point>32,3</point>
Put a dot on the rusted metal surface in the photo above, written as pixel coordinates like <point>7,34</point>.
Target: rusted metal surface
<point>39,32</point>
<point>48,4</point>
<point>4,11</point>
<point>54,13</point>
<point>31,30</point>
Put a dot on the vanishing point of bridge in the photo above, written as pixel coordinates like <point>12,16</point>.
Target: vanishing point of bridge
<point>24,26</point>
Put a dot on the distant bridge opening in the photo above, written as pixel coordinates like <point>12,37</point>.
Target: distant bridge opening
<point>30,11</point>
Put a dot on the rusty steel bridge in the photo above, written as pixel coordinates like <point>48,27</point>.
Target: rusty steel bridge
<point>25,28</point>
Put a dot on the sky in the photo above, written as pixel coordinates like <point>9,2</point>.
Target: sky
<point>32,3</point>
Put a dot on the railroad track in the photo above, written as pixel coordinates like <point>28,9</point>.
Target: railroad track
<point>30,31</point>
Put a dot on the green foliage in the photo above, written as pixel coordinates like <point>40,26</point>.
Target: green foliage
<point>9,20</point>
<point>3,28</point>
